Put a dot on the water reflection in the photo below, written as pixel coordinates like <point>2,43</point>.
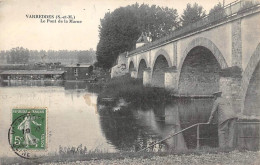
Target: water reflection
<point>66,84</point>
<point>76,118</point>
<point>74,85</point>
<point>32,83</point>
<point>132,128</point>
<point>192,111</point>
<point>248,136</point>
<point>72,117</point>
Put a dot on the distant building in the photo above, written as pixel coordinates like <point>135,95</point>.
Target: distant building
<point>77,71</point>
<point>32,75</point>
<point>142,40</point>
<point>120,68</point>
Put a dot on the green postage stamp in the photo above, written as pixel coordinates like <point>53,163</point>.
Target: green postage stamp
<point>28,129</point>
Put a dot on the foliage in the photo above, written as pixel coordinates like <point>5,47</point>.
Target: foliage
<point>18,55</point>
<point>133,91</point>
<point>86,56</point>
<point>216,8</point>
<point>156,21</point>
<point>119,30</point>
<point>192,13</point>
<point>217,12</point>
<point>79,150</point>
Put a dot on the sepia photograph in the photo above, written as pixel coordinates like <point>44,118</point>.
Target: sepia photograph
<point>130,82</point>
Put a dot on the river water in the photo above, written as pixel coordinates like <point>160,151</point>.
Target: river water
<point>76,119</point>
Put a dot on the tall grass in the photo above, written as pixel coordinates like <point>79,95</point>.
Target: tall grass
<point>69,156</point>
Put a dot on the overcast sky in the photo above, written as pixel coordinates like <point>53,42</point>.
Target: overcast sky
<point>17,30</point>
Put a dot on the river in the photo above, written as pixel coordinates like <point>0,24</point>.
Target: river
<point>76,119</point>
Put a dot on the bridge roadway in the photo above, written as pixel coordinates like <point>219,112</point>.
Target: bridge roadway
<point>206,56</point>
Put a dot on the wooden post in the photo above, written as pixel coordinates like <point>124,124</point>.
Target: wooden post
<point>198,136</point>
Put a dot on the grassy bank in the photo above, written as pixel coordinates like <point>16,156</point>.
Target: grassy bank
<point>133,91</point>
<point>235,157</point>
<point>203,156</point>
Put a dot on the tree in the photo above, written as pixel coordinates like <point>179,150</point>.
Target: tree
<point>8,59</point>
<point>217,13</point>
<point>19,55</point>
<point>3,56</point>
<point>216,8</point>
<point>192,14</point>
<point>86,56</point>
<point>156,21</point>
<point>119,30</point>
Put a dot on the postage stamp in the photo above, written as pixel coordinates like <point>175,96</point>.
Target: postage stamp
<point>28,131</point>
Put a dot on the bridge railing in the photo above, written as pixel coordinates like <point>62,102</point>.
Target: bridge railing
<point>232,9</point>
<point>176,133</point>
<point>198,138</point>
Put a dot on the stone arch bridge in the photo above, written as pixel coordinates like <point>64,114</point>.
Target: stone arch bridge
<point>189,61</point>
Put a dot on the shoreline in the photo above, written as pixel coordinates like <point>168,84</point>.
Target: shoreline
<point>203,156</point>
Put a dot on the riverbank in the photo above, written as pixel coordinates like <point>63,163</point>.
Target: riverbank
<point>133,91</point>
<point>231,158</point>
<point>209,156</point>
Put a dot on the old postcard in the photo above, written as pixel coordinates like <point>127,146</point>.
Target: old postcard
<point>129,82</point>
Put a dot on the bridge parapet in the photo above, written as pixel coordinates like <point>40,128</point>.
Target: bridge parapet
<point>233,9</point>
<point>201,51</point>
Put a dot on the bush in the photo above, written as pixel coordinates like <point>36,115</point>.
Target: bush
<point>133,91</point>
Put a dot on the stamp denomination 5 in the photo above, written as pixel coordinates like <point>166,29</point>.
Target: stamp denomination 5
<point>28,131</point>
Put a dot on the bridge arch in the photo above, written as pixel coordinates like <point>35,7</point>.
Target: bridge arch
<point>251,85</point>
<point>199,68</point>
<point>204,42</point>
<point>161,63</point>
<point>141,67</point>
<point>163,53</point>
<point>131,66</point>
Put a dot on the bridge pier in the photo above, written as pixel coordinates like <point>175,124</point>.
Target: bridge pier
<point>200,56</point>
<point>133,74</point>
<point>171,80</point>
<point>236,97</point>
<point>147,77</point>
<point>230,88</point>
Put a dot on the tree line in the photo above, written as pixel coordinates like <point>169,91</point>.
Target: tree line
<point>119,30</point>
<point>20,55</point>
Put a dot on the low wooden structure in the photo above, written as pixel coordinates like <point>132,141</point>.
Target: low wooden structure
<point>32,75</point>
<point>77,71</point>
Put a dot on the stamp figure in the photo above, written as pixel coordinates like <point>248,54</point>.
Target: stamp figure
<point>29,129</point>
<point>25,125</point>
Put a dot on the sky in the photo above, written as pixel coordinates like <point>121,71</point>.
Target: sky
<point>35,34</point>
